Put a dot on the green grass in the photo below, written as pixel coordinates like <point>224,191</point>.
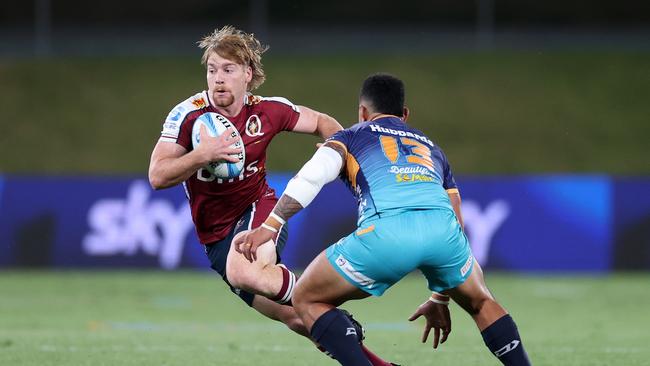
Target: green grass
<point>502,112</point>
<point>190,318</point>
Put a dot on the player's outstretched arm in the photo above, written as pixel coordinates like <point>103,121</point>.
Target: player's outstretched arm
<point>171,164</point>
<point>436,313</point>
<point>454,198</point>
<point>317,123</point>
<point>322,168</point>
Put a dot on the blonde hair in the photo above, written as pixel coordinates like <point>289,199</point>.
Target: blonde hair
<point>240,47</point>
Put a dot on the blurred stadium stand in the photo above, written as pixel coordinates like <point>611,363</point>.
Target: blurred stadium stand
<point>65,27</point>
<point>579,110</point>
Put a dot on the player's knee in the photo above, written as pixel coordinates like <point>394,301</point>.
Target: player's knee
<point>479,303</point>
<point>300,299</point>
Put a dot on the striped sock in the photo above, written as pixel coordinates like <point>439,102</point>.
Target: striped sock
<point>288,284</point>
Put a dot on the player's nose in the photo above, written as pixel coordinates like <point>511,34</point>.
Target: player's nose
<point>218,77</point>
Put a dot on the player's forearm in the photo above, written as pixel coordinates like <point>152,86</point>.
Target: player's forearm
<point>283,211</point>
<point>455,200</point>
<point>327,126</point>
<point>322,168</point>
<point>168,172</point>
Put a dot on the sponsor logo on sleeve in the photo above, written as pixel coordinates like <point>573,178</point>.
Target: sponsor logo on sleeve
<point>199,103</point>
<point>175,115</point>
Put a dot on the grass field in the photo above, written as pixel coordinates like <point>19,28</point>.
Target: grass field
<point>190,318</point>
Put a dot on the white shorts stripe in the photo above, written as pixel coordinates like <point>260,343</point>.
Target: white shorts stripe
<point>250,222</point>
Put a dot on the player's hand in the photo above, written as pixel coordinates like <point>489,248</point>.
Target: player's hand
<point>216,149</point>
<point>437,316</point>
<point>248,242</point>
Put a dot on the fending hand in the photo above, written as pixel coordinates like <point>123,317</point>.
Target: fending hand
<point>437,317</point>
<point>248,242</point>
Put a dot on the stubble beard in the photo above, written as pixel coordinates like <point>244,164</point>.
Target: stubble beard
<point>224,102</point>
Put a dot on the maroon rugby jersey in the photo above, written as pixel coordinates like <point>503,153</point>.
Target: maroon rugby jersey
<point>217,203</point>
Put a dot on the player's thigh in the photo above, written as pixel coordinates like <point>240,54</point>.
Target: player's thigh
<point>245,274</point>
<point>472,292</point>
<point>238,268</point>
<point>217,253</point>
<point>374,257</point>
<point>266,254</point>
<point>321,283</point>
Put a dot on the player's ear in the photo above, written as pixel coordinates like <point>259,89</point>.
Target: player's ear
<point>405,114</point>
<point>249,74</point>
<point>364,114</point>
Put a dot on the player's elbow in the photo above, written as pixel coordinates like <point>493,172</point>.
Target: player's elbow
<point>156,181</point>
<point>327,126</point>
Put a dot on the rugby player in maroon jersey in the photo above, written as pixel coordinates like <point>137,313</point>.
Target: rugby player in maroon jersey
<point>222,208</point>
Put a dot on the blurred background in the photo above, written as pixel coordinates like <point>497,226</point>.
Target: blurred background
<point>543,108</point>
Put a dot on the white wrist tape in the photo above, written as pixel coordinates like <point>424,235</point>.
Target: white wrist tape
<point>439,294</point>
<point>436,301</point>
<point>438,298</point>
<point>321,169</point>
<point>269,227</point>
<point>277,218</point>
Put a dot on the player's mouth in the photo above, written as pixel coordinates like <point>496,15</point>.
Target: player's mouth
<point>221,92</point>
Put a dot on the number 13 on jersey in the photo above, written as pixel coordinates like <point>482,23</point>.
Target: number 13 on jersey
<point>418,153</point>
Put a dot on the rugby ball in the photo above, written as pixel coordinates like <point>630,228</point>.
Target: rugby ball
<point>215,125</point>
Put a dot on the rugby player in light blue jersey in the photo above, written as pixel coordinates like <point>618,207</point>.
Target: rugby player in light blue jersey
<point>409,218</point>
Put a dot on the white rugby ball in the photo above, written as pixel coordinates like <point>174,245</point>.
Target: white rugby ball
<point>215,125</point>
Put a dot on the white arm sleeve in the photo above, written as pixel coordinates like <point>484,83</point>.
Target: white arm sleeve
<point>323,168</point>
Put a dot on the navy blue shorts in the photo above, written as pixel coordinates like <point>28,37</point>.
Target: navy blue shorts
<point>217,252</point>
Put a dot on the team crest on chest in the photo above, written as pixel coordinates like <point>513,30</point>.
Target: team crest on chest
<point>254,126</point>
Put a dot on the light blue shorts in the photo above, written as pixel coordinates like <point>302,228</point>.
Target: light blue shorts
<point>384,250</point>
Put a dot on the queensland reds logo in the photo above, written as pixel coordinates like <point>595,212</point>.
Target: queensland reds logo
<point>254,126</point>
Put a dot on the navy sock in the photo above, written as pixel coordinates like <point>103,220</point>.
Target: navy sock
<point>334,332</point>
<point>502,338</point>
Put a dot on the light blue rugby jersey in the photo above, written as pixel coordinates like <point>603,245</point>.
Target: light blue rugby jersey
<point>391,168</point>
